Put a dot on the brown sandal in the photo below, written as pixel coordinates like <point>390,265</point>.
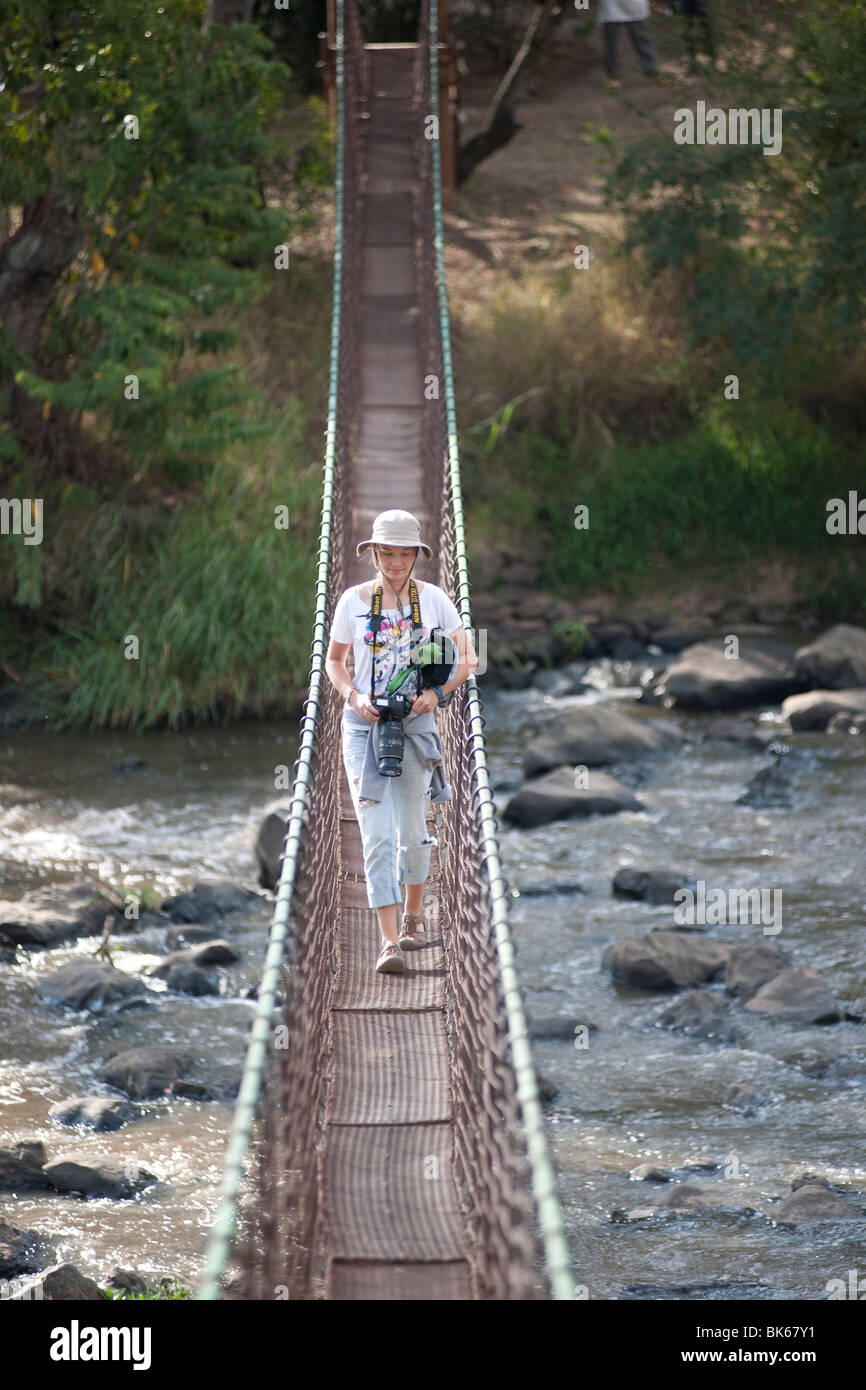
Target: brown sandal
<point>413,932</point>
<point>390,961</point>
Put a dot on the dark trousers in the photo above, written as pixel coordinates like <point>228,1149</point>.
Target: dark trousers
<point>692,10</point>
<point>641,37</point>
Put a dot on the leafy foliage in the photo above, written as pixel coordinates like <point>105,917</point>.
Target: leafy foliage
<point>155,139</point>
<point>771,249</point>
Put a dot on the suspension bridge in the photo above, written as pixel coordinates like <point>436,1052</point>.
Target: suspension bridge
<point>388,1141</point>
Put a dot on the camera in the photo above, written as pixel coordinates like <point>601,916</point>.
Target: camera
<point>392,709</point>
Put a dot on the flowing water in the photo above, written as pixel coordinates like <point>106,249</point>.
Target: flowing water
<point>635,1094</point>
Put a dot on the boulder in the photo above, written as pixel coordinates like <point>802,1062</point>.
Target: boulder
<point>184,978</point>
<point>815,1202</point>
<point>797,995</point>
<point>88,984</point>
<point>132,1281</point>
<point>815,708</point>
<point>178,938</point>
<point>687,1196</point>
<point>836,660</point>
<point>555,797</point>
<point>48,916</point>
<point>743,731</point>
<point>649,1172</point>
<point>60,1284</point>
<point>558,683</point>
<point>771,787</point>
<point>547,1089</point>
<point>699,1014</point>
<point>270,837</point>
<point>704,678</point>
<point>208,901</point>
<point>656,886</point>
<point>23,1252</point>
<point>556,1026</point>
<point>143,1072</point>
<point>21,1167</point>
<point>750,967</point>
<point>224,1090</point>
<point>213,952</point>
<point>847,724</point>
<point>811,1180</point>
<point>677,638</point>
<point>545,890</point>
<point>664,960</point>
<point>740,1096</point>
<point>595,735</point>
<point>845,1068</point>
<point>97,1177</point>
<point>99,1113</point>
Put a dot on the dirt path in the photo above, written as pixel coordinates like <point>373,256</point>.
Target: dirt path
<point>543,193</point>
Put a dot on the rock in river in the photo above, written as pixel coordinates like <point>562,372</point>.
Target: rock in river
<point>208,901</point>
<point>595,735</point>
<point>88,984</point>
<point>184,978</point>
<point>269,842</point>
<point>656,886</point>
<point>750,967</point>
<point>815,1202</point>
<point>556,797</point>
<point>699,1014</point>
<point>797,995</point>
<point>100,1113</point>
<point>23,1252</point>
<point>705,678</point>
<point>97,1177</point>
<point>814,709</point>
<point>836,660</point>
<point>47,916</point>
<point>664,960</point>
<point>60,1284</point>
<point>21,1167</point>
<point>214,952</point>
<point>143,1072</point>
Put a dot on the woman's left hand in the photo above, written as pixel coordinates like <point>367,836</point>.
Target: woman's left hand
<point>426,701</point>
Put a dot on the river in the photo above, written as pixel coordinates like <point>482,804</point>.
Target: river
<point>635,1094</point>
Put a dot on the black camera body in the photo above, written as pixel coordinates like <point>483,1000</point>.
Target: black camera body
<point>392,709</point>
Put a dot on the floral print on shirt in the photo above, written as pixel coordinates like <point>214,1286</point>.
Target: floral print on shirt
<point>394,648</point>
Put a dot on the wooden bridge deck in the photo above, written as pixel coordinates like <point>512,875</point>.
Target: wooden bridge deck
<point>393,1226</point>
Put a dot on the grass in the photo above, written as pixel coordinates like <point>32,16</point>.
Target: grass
<point>594,404</point>
<point>149,605</point>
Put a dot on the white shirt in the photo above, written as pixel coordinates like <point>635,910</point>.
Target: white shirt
<point>351,623</point>
<point>622,11</point>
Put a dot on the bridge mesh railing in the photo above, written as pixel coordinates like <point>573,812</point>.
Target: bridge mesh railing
<point>277,1245</point>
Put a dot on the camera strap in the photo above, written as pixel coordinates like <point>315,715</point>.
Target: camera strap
<point>376,622</point>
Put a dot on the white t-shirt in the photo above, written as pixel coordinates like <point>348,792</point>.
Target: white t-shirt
<point>351,623</point>
<point>622,11</point>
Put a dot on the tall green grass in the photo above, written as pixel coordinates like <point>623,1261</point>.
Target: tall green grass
<point>218,599</point>
<point>745,484</point>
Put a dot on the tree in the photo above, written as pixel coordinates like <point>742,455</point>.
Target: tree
<point>133,141</point>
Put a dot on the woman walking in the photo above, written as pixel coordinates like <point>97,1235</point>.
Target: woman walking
<point>380,621</point>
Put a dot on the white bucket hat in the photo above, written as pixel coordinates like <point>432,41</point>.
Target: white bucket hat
<point>396,528</point>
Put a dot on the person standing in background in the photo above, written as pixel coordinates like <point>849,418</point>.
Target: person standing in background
<point>692,10</point>
<point>632,15</point>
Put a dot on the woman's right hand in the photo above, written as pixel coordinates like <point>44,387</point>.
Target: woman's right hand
<point>363,705</point>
